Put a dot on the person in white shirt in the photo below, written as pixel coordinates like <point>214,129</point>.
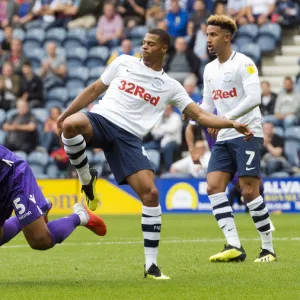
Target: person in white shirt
<point>260,11</point>
<point>137,93</point>
<point>231,85</point>
<point>167,134</point>
<point>186,166</point>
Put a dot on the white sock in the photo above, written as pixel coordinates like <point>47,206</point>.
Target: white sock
<point>224,216</point>
<point>151,226</point>
<point>75,149</point>
<point>260,215</point>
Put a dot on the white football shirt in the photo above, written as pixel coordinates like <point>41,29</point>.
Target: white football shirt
<point>137,95</point>
<point>224,89</point>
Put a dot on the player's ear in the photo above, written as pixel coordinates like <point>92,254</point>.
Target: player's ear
<point>165,49</point>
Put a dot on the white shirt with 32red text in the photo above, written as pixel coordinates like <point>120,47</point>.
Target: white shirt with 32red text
<point>137,95</point>
<point>226,87</point>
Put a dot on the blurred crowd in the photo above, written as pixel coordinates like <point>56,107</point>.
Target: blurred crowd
<point>44,41</point>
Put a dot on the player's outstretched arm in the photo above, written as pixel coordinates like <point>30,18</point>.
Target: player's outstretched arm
<point>87,96</point>
<point>207,119</point>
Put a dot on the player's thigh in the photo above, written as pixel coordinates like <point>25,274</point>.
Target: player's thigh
<point>76,124</point>
<point>38,235</point>
<point>142,182</point>
<point>217,182</point>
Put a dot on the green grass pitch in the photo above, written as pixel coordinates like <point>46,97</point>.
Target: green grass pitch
<point>88,267</point>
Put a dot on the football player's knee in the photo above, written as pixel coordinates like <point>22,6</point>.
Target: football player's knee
<point>151,196</point>
<point>248,192</point>
<point>68,126</point>
<point>212,188</point>
<point>42,242</point>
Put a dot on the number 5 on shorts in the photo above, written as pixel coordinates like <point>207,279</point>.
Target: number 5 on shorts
<point>19,207</point>
<point>251,156</point>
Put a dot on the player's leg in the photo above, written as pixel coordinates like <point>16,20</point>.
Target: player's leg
<point>248,155</point>
<point>10,229</point>
<point>220,170</point>
<point>143,184</point>
<point>77,132</point>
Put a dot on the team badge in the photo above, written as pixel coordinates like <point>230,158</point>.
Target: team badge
<point>158,83</point>
<point>227,77</point>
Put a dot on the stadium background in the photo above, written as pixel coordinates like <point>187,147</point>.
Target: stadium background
<point>274,46</point>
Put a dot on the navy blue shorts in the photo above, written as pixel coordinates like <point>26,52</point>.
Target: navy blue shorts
<point>237,155</point>
<point>123,150</point>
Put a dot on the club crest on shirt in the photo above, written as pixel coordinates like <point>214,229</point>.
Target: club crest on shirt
<point>158,83</point>
<point>227,77</point>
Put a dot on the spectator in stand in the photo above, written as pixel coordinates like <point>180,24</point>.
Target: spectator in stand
<point>237,10</point>
<point>273,159</point>
<point>260,11</point>
<point>32,87</point>
<point>110,27</point>
<point>167,136</point>
<point>51,137</point>
<point>21,12</point>
<point>220,9</point>
<point>155,13</point>
<point>4,16</point>
<point>287,106</point>
<point>44,13</point>
<point>54,69</point>
<point>190,85</point>
<point>286,13</point>
<point>15,56</point>
<point>268,99</point>
<point>6,43</point>
<point>186,5</point>
<point>21,130</point>
<point>185,167</point>
<point>176,20</point>
<point>133,12</point>
<point>10,87</point>
<point>200,47</point>
<point>126,48</point>
<point>197,18</point>
<point>182,62</point>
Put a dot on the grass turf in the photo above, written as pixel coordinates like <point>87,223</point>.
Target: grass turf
<point>88,267</point>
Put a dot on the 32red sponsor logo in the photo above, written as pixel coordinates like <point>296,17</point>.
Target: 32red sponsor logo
<point>219,94</point>
<point>139,91</point>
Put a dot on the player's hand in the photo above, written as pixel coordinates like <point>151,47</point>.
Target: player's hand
<point>243,129</point>
<point>213,132</point>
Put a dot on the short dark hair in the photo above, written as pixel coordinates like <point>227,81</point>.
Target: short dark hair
<point>288,78</point>
<point>27,63</point>
<point>163,36</point>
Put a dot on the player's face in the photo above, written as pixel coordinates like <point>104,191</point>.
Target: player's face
<point>152,47</point>
<point>217,38</point>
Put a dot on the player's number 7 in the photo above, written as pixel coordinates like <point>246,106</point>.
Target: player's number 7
<point>19,207</point>
<point>251,156</point>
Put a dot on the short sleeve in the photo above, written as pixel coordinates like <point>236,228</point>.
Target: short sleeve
<point>207,102</point>
<point>111,71</point>
<point>180,98</point>
<point>248,72</point>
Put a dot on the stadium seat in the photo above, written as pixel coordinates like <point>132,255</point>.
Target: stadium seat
<point>249,30</point>
<point>267,44</point>
<point>38,171</point>
<point>56,35</point>
<point>76,56</point>
<point>38,23</point>
<point>2,116</point>
<point>242,40</point>
<point>36,57</point>
<point>1,35</point>
<point>73,93</point>
<point>292,144</point>
<point>36,34</point>
<point>19,34</point>
<point>79,73</point>
<point>97,57</point>
<point>21,154</point>
<point>253,51</point>
<point>279,131</point>
<point>59,94</point>
<point>10,113</point>
<point>74,83</point>
<point>96,72</point>
<point>75,38</point>
<point>41,114</point>
<point>154,157</point>
<point>138,32</point>
<point>52,170</point>
<point>91,37</point>
<point>30,46</point>
<point>2,137</point>
<point>38,158</point>
<point>271,29</point>
<point>54,103</point>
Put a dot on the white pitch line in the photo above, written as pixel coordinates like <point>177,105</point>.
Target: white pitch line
<point>294,239</point>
